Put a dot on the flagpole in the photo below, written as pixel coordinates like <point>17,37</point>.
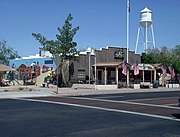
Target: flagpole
<point>128,10</point>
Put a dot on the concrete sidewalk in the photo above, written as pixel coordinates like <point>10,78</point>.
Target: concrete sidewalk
<point>35,91</point>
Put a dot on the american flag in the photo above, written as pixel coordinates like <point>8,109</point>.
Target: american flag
<point>128,5</point>
<point>171,70</point>
<point>163,68</point>
<point>136,69</point>
<point>124,67</point>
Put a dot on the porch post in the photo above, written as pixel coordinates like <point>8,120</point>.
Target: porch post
<point>105,76</point>
<point>127,77</point>
<point>151,75</point>
<point>163,80</point>
<point>154,74</point>
<point>117,79</point>
<point>143,75</point>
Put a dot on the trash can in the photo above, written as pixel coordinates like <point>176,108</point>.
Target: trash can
<point>155,84</point>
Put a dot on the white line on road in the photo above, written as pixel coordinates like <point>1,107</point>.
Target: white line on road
<point>110,97</point>
<point>104,109</point>
<point>126,102</point>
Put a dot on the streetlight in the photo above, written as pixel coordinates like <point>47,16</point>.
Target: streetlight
<point>89,52</point>
<point>94,54</point>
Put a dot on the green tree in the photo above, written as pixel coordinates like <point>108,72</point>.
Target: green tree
<point>7,53</point>
<point>176,51</point>
<point>176,58</point>
<point>164,56</point>
<point>63,46</point>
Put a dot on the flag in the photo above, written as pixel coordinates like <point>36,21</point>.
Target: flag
<point>163,68</point>
<point>136,69</point>
<point>171,70</point>
<point>128,5</point>
<point>124,67</point>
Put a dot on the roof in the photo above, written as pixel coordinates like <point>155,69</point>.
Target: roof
<point>109,64</point>
<point>6,68</point>
<point>157,65</point>
<point>146,10</point>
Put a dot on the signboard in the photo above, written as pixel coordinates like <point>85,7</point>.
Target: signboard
<point>118,55</point>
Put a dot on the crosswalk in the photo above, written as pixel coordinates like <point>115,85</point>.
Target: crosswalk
<point>140,107</point>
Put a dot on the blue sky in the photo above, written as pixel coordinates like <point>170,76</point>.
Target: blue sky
<point>101,22</point>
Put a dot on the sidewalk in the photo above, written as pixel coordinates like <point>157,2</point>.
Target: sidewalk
<point>36,91</point>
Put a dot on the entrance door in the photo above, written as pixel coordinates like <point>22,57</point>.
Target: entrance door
<point>99,77</point>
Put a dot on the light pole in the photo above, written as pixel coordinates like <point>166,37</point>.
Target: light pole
<point>94,54</point>
<point>128,11</point>
<point>89,53</point>
<point>95,71</point>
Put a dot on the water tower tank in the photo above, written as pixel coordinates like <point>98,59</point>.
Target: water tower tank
<point>146,17</point>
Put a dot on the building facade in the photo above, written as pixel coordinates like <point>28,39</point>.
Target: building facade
<point>103,66</point>
<point>44,58</point>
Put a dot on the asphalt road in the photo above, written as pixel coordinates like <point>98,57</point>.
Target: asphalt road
<point>133,96</point>
<point>90,116</point>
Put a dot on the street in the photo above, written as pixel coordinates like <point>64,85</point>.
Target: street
<point>116,115</point>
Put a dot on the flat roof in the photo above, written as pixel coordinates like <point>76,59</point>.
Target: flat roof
<point>109,64</point>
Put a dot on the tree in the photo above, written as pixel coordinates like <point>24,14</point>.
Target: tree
<point>176,58</point>
<point>164,56</point>
<point>63,46</point>
<point>151,56</point>
<point>7,53</point>
<point>176,51</point>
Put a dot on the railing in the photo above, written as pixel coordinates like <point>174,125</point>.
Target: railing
<point>97,82</point>
<point>122,84</point>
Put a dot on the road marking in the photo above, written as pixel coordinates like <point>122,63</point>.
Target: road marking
<point>126,102</point>
<point>104,109</point>
<point>147,99</point>
<point>170,105</point>
<point>110,97</point>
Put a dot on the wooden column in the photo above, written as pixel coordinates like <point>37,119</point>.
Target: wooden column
<point>143,75</point>
<point>127,77</point>
<point>163,80</point>
<point>105,76</point>
<point>117,79</point>
<point>154,74</point>
<point>151,76</point>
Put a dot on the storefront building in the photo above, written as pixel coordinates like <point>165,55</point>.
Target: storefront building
<point>104,67</point>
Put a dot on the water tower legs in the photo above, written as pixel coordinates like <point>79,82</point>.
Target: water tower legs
<point>146,39</point>
<point>137,40</point>
<point>152,30</point>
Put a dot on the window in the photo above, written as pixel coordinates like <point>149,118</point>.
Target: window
<point>48,62</point>
<point>113,73</point>
<point>81,74</point>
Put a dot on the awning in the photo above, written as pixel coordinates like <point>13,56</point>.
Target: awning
<point>148,67</point>
<point>109,64</point>
<point>6,68</point>
<point>157,66</point>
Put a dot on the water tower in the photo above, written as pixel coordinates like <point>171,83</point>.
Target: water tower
<point>145,25</point>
